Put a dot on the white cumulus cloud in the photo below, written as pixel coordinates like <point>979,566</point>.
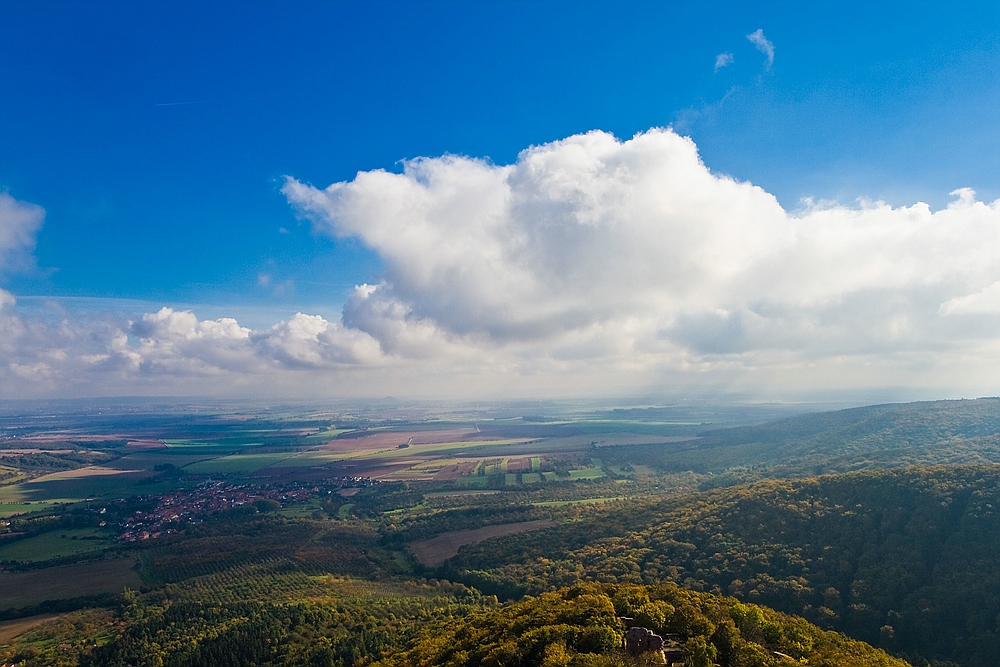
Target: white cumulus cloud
<point>633,253</point>
<point>590,265</point>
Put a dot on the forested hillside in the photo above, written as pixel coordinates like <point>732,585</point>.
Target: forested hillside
<point>579,627</point>
<point>906,559</point>
<point>878,436</point>
<point>410,625</point>
<point>206,634</point>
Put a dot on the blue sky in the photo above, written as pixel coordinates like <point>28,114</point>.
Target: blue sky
<point>157,137</point>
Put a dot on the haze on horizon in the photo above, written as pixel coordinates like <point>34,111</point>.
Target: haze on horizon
<point>798,217</point>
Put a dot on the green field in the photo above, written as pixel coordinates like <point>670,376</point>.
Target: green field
<point>148,460</point>
<point>199,448</point>
<point>531,478</point>
<point>494,467</point>
<point>236,463</point>
<point>302,510</point>
<point>587,473</point>
<point>308,459</point>
<point>22,499</point>
<point>422,450</point>
<point>79,488</point>
<point>510,479</point>
<point>56,544</point>
<point>15,508</point>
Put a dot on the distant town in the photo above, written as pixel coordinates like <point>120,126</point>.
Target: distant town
<point>185,507</point>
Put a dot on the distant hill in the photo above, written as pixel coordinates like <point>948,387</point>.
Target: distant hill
<point>908,559</point>
<point>878,436</point>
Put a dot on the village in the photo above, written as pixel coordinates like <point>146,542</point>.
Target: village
<point>185,507</point>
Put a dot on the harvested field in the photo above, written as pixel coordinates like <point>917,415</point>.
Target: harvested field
<point>89,471</point>
<point>461,469</point>
<point>146,444</point>
<point>20,589</point>
<point>519,465</point>
<point>407,476</point>
<point>437,550</point>
<point>11,629</point>
<point>67,437</point>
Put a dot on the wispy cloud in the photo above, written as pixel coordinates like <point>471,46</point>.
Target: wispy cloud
<point>722,60</point>
<point>763,45</point>
<point>19,222</point>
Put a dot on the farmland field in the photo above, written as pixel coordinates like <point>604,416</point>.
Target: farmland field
<point>80,473</point>
<point>236,463</point>
<point>79,488</point>
<point>587,473</point>
<point>56,544</point>
<point>437,550</point>
<point>19,589</point>
<point>11,629</point>
<point>9,509</point>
